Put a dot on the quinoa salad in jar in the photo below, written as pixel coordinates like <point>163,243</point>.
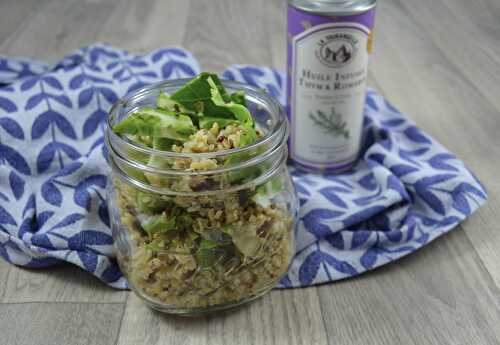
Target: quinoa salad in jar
<point>203,209</point>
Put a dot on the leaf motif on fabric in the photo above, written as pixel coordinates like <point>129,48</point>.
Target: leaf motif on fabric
<point>401,170</point>
<point>330,194</point>
<point>415,134</point>
<point>16,184</point>
<point>61,99</point>
<point>309,268</point>
<point>51,193</point>
<point>368,182</point>
<point>53,82</point>
<point>369,258</point>
<point>33,101</point>
<point>176,69</point>
<point>362,215</point>
<point>439,162</point>
<point>68,220</point>
<point>92,122</point>
<point>460,194</point>
<point>87,238</point>
<point>395,122</point>
<point>77,81</point>
<point>15,159</point>
<point>43,241</point>
<point>339,265</point>
<point>12,127</point>
<point>82,194</point>
<point>89,260</point>
<point>85,97</point>
<point>5,217</point>
<point>359,238</point>
<point>30,204</point>
<point>371,103</point>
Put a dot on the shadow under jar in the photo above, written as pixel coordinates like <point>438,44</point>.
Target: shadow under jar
<point>195,241</point>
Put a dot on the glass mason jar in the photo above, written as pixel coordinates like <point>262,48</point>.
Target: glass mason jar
<point>195,241</point>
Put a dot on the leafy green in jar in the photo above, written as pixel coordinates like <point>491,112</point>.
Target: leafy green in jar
<point>196,96</point>
<point>150,203</point>
<point>157,123</point>
<point>268,190</point>
<point>160,223</point>
<point>210,253</point>
<point>238,97</point>
<point>200,104</point>
<point>240,112</point>
<point>163,101</point>
<point>245,240</point>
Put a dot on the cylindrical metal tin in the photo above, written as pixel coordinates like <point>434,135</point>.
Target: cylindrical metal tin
<point>328,47</point>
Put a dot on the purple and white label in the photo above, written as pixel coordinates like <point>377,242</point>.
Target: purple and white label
<point>328,68</point>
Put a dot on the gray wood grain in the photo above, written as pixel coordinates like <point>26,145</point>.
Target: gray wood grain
<point>4,274</point>
<point>484,232</point>
<point>59,323</point>
<point>63,283</point>
<point>276,30</point>
<point>142,26</point>
<point>17,16</point>
<point>56,28</point>
<point>441,294</point>
<point>437,60</point>
<point>225,32</point>
<point>281,317</point>
<point>470,47</point>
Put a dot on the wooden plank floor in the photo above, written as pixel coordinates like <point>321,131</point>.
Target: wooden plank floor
<point>436,60</point>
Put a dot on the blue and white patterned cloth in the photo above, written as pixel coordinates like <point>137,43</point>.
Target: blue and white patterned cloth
<point>406,190</point>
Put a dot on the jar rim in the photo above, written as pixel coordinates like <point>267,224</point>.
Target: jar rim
<point>269,173</point>
<point>280,128</point>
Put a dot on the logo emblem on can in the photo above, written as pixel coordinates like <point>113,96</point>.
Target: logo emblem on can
<point>337,50</point>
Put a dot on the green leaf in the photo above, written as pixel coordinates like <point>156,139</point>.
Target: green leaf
<point>245,174</point>
<point>247,137</point>
<point>218,236</point>
<point>207,122</point>
<point>185,221</point>
<point>246,240</point>
<point>136,173</point>
<point>136,156</point>
<point>160,224</point>
<point>240,112</point>
<point>150,203</point>
<point>156,123</point>
<point>163,144</point>
<point>227,229</point>
<point>211,253</point>
<point>154,246</point>
<point>207,253</point>
<point>143,140</point>
<point>238,97</point>
<point>157,161</point>
<point>163,101</point>
<point>267,191</point>
<point>196,96</point>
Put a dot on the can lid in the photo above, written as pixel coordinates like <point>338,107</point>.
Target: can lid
<point>334,7</point>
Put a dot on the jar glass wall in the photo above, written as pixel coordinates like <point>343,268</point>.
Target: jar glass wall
<point>194,241</point>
